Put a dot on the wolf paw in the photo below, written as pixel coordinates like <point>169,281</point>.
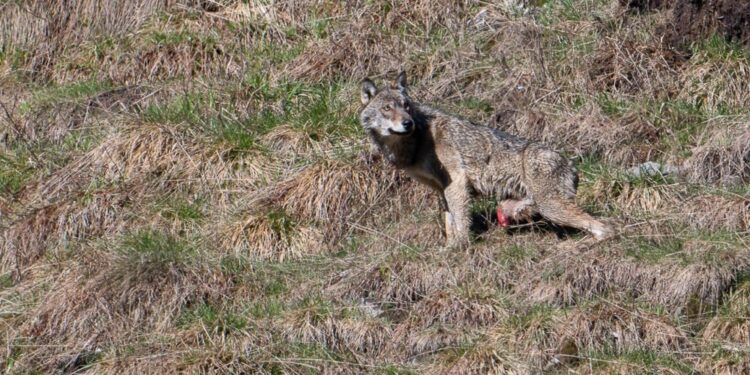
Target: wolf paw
<point>603,233</point>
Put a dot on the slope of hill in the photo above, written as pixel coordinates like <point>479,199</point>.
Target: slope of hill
<point>184,187</point>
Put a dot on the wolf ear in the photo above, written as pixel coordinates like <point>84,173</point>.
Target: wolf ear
<point>401,81</point>
<point>368,90</point>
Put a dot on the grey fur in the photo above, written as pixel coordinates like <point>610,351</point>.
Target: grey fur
<point>454,156</point>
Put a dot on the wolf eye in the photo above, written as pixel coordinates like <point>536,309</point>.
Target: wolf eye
<point>407,106</point>
<point>387,108</point>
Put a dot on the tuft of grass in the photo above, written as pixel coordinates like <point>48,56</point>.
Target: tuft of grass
<point>173,38</point>
<point>67,92</point>
<point>266,308</point>
<point>182,109</point>
<point>281,223</point>
<point>317,308</point>
<point>14,173</point>
<point>322,113</point>
<point>709,247</point>
<point>395,370</point>
<point>315,109</point>
<point>152,252</point>
<point>681,123</point>
<point>176,209</point>
<point>653,250</point>
<point>642,361</point>
<point>477,105</point>
<point>483,206</point>
<point>611,105</point>
<point>214,319</point>
<point>6,281</point>
<point>717,47</point>
<point>534,316</point>
<point>516,254</point>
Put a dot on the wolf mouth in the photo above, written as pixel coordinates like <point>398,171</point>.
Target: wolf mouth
<point>399,133</point>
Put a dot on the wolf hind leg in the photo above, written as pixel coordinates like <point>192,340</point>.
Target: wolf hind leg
<point>566,212</point>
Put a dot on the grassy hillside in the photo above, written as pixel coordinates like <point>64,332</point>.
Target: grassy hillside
<point>184,187</point>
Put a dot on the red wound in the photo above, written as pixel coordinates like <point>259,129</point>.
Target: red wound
<point>502,220</point>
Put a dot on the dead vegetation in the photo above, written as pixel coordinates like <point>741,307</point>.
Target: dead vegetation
<point>184,188</point>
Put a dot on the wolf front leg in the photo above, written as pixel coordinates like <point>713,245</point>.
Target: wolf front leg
<point>457,218</point>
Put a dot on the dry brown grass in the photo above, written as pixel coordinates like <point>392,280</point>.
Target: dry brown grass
<point>356,333</point>
<point>335,197</point>
<point>186,191</point>
<point>29,238</point>
<point>51,27</point>
<point>92,195</point>
<point>365,47</point>
<point>722,155</point>
<point>620,329</point>
<point>129,294</point>
<point>632,64</point>
<point>461,308</point>
<point>715,83</point>
<point>737,365</point>
<point>273,235</point>
<point>716,212</point>
<point>689,285</point>
<point>481,359</point>
<point>732,325</point>
<point>446,319</point>
<point>401,282</point>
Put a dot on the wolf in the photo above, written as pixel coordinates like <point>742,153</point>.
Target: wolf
<point>457,157</point>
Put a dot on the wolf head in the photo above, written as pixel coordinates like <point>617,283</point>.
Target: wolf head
<point>388,112</point>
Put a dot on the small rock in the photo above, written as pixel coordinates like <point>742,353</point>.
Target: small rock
<point>652,168</point>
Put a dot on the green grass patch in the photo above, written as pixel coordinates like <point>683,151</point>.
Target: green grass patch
<point>214,319</point>
<point>680,123</point>
<point>14,173</point>
<point>717,47</point>
<point>266,278</point>
<point>266,308</point>
<point>78,141</point>
<point>206,114</point>
<point>316,110</point>
<point>718,244</point>
<point>537,315</point>
<point>183,210</point>
<point>591,169</point>
<point>234,265</point>
<point>153,252</point>
<point>16,57</point>
<point>714,247</point>
<point>477,105</point>
<point>643,361</point>
<point>318,308</point>
<point>174,38</point>
<point>554,12</point>
<point>515,254</point>
<point>483,206</point>
<point>611,105</point>
<point>265,55</point>
<point>66,93</point>
<point>6,281</point>
<point>652,251</point>
<point>281,223</point>
<point>182,109</point>
<point>391,369</point>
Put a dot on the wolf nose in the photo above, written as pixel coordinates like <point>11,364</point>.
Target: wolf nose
<point>407,124</point>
